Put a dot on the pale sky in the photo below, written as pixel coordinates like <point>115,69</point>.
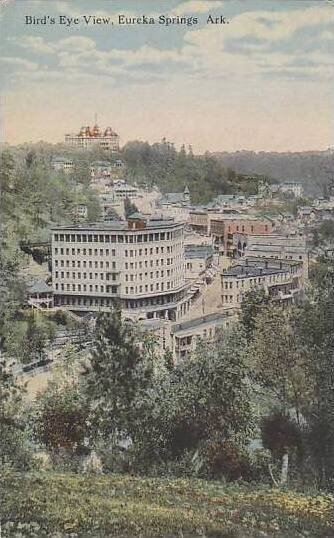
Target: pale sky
<point>263,82</point>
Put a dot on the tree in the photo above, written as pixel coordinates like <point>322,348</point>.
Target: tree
<point>14,451</point>
<point>315,333</point>
<point>278,363</point>
<point>200,403</point>
<point>129,208</point>
<point>253,303</point>
<point>119,374</point>
<point>60,412</point>
<point>280,434</point>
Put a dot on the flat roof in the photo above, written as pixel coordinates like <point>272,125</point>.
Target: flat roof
<point>118,226</point>
<point>249,271</point>
<point>203,320</point>
<point>198,251</point>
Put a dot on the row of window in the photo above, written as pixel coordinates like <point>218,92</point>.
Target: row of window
<point>271,278</point>
<point>140,289</point>
<point>84,263</point>
<point>90,276</point>
<point>124,238</point>
<point>139,276</point>
<point>140,265</point>
<point>83,301</point>
<point>86,287</point>
<point>146,251</point>
<point>85,251</point>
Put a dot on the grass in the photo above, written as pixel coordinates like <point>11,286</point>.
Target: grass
<point>53,504</point>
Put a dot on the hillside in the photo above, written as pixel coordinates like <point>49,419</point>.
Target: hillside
<point>45,504</point>
<point>314,168</point>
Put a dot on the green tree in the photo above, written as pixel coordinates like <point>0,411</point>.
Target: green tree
<point>129,208</point>
<point>282,436</point>
<point>315,333</point>
<point>14,449</point>
<point>278,362</point>
<point>60,413</point>
<point>200,402</point>
<point>120,372</point>
<point>254,302</point>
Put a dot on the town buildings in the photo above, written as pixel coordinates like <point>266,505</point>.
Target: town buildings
<point>138,264</point>
<point>62,164</point>
<point>276,246</point>
<point>223,228</point>
<point>186,336</point>
<point>92,137</point>
<point>292,187</point>
<point>281,279</point>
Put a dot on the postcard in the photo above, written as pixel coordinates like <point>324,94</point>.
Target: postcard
<point>166,268</point>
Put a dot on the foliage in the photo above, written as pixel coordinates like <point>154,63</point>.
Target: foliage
<point>59,414</point>
<point>325,231</point>
<point>119,373</point>
<point>280,433</point>
<point>171,170</point>
<point>254,302</point>
<point>278,362</point>
<point>129,208</point>
<point>14,450</point>
<point>28,335</point>
<point>315,329</point>
<point>50,504</point>
<point>205,398</point>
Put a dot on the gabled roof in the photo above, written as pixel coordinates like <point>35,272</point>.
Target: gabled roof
<point>39,287</point>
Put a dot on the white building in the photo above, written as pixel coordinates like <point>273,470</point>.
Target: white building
<point>62,164</point>
<point>292,187</point>
<point>90,137</point>
<point>106,168</point>
<point>186,336</point>
<point>281,279</point>
<point>137,263</point>
<point>199,259</point>
<point>122,190</point>
<point>277,246</point>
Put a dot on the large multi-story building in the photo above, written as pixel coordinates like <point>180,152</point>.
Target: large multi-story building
<point>90,137</point>
<point>138,263</point>
<point>277,246</point>
<point>281,279</point>
<point>223,228</point>
<point>292,187</point>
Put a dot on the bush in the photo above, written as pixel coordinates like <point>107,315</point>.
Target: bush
<point>223,459</point>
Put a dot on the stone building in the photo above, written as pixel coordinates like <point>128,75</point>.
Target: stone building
<point>138,263</point>
<point>92,137</point>
<point>281,279</point>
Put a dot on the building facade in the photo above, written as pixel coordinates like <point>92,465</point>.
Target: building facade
<point>62,164</point>
<point>225,227</point>
<point>138,264</point>
<point>276,246</point>
<point>281,279</point>
<point>90,137</point>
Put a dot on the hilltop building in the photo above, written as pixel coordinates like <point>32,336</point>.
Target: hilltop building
<point>90,137</point>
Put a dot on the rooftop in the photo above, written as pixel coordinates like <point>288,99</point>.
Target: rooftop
<point>39,287</point>
<point>198,251</point>
<point>242,271</point>
<point>197,322</point>
<point>119,225</point>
